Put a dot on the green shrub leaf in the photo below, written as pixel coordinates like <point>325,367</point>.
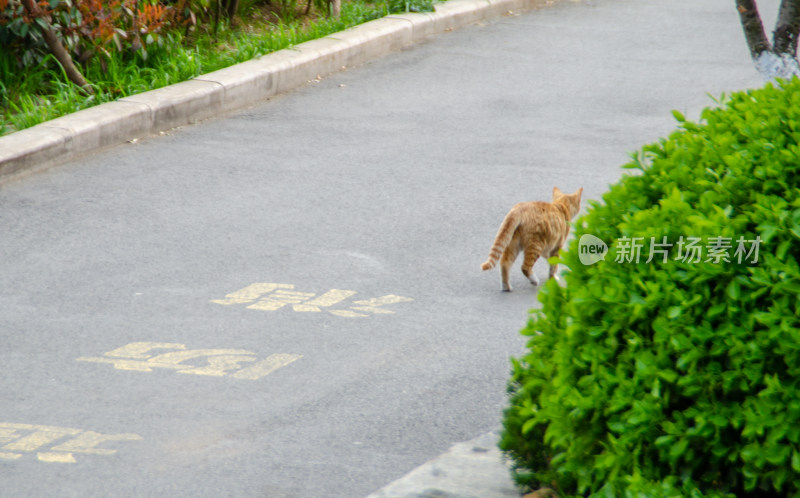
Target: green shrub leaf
<point>679,376</point>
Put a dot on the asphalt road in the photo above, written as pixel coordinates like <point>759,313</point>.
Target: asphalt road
<point>139,358</point>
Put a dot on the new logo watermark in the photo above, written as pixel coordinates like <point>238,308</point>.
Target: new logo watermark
<point>591,249</point>
<point>716,250</point>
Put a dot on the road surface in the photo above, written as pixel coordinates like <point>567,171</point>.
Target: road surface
<point>287,301</point>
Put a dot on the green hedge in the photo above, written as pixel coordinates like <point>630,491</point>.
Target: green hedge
<point>676,377</point>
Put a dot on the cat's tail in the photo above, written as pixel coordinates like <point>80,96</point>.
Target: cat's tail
<point>501,241</point>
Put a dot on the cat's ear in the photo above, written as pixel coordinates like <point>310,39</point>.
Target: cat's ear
<point>578,193</point>
<point>557,193</point>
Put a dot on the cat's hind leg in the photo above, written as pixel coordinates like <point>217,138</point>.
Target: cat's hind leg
<point>553,266</point>
<point>532,253</point>
<point>506,260</point>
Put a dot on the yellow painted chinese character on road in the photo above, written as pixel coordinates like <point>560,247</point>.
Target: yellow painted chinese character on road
<point>18,439</point>
<point>272,297</point>
<point>139,356</point>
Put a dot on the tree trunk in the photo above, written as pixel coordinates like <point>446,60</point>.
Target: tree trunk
<point>233,6</point>
<point>57,49</point>
<point>779,59</point>
<point>784,38</point>
<point>137,40</point>
<point>753,28</point>
<point>336,8</point>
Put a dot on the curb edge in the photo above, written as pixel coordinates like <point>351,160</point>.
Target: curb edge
<point>235,87</point>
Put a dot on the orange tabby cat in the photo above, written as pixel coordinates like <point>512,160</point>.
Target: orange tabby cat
<point>536,228</point>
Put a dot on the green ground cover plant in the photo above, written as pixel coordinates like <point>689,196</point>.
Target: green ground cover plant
<point>676,377</point>
<point>166,44</point>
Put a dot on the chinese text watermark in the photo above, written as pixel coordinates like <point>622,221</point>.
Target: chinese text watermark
<point>716,250</point>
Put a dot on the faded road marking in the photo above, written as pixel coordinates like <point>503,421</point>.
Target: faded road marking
<point>272,297</point>
<point>266,367</point>
<point>21,438</point>
<point>333,296</point>
<point>372,305</point>
<point>137,356</point>
<point>250,293</point>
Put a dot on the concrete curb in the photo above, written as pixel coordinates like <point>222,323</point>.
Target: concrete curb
<point>472,469</point>
<point>235,87</point>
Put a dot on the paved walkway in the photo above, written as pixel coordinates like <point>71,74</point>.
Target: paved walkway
<point>375,189</point>
<point>620,65</point>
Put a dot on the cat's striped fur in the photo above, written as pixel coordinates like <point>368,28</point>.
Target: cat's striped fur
<point>537,228</point>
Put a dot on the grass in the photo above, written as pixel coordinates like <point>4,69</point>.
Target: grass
<point>37,94</point>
